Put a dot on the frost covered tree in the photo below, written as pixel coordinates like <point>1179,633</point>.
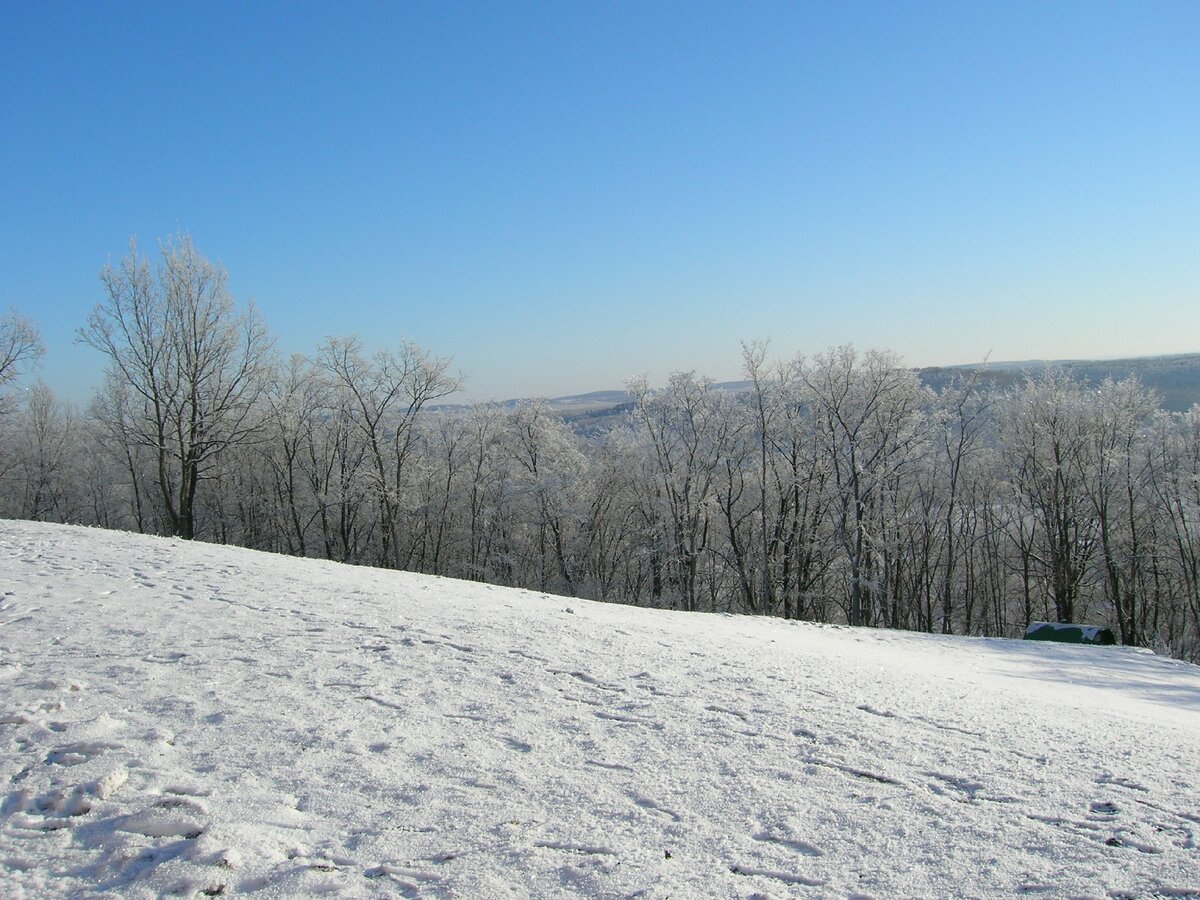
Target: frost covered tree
<point>487,486</point>
<point>1117,484</point>
<point>549,473</point>
<point>834,488</point>
<point>112,418</point>
<point>47,452</point>
<point>190,362</point>
<point>1046,431</point>
<point>870,413</point>
<point>756,494</point>
<point>1174,619</point>
<point>962,416</point>
<point>20,347</point>
<point>385,394</point>
<point>683,429</point>
<point>296,406</point>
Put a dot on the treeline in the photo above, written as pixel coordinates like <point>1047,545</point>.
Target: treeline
<point>836,488</point>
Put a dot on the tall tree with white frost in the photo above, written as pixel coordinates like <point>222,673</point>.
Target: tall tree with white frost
<point>387,393</point>
<point>47,454</point>
<point>194,363</point>
<point>869,410</point>
<point>1046,432</point>
<point>1118,486</point>
<point>684,428</point>
<point>20,347</point>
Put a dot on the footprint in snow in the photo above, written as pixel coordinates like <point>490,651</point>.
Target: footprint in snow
<point>729,712</point>
<point>182,802</point>
<point>589,680</point>
<point>616,767</point>
<point>572,847</point>
<point>186,790</point>
<point>785,877</point>
<point>409,881</point>
<point>882,713</point>
<point>802,847</point>
<point>162,823</point>
<point>174,656</point>
<point>627,720</point>
<point>970,789</point>
<point>530,656</point>
<point>75,754</point>
<point>655,806</point>
<point>1109,778</point>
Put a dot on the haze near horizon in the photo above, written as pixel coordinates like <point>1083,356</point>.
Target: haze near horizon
<point>560,197</point>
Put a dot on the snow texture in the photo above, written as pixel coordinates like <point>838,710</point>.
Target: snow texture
<point>186,719</point>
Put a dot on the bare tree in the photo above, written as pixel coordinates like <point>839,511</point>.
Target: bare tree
<point>487,469</point>
<point>1175,460</point>
<point>962,414</point>
<point>387,394</point>
<point>1046,434</point>
<point>194,365</point>
<point>548,474</point>
<point>20,347</point>
<point>48,449</point>
<point>297,401</point>
<point>112,412</point>
<point>684,427</point>
<point>870,414</point>
<point>1118,486</point>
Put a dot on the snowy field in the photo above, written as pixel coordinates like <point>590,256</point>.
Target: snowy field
<point>196,720</point>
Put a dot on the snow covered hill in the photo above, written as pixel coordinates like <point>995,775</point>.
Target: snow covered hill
<point>190,719</point>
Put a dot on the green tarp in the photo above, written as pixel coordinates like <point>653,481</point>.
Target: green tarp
<point>1066,633</point>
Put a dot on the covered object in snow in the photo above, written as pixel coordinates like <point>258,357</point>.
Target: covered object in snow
<point>1066,633</point>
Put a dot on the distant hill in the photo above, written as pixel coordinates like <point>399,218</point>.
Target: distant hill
<point>1176,379</point>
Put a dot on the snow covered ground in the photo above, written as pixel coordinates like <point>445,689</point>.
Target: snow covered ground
<point>191,719</point>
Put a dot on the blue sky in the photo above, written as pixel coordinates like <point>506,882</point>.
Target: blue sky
<point>562,195</point>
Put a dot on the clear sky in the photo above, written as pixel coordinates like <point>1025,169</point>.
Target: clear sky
<point>562,195</point>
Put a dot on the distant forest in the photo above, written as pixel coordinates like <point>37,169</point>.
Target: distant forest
<point>840,487</point>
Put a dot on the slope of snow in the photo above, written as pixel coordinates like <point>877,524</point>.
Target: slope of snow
<point>198,720</point>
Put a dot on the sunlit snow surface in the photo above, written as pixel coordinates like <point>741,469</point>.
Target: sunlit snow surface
<point>188,718</point>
